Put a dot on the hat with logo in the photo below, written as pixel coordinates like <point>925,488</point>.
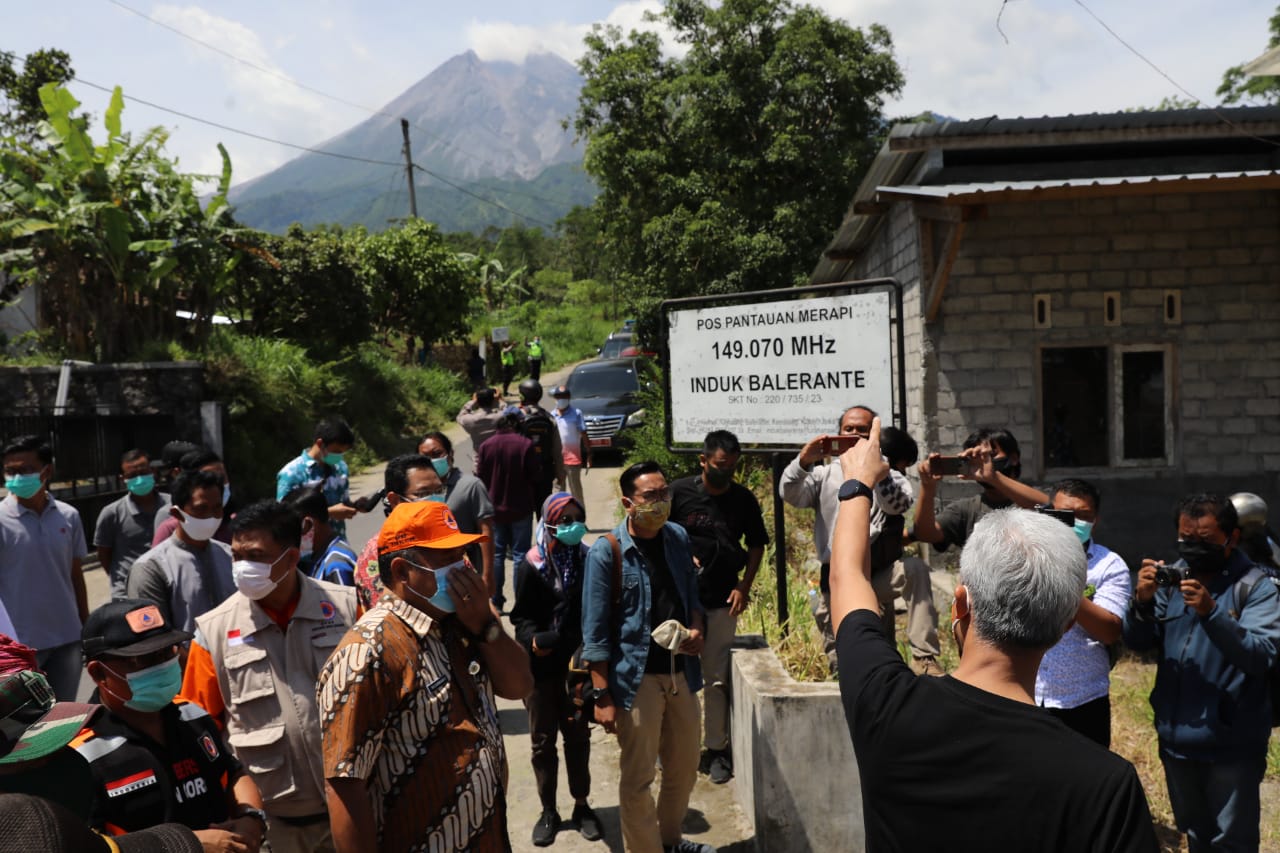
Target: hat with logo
<point>128,628</point>
<point>33,724</point>
<point>560,391</point>
<point>30,823</point>
<point>423,524</point>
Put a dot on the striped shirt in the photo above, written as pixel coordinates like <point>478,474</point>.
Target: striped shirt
<point>401,709</point>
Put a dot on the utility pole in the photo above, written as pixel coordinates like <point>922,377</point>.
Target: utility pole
<point>408,168</point>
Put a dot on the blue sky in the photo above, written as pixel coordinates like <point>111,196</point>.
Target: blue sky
<point>1057,60</point>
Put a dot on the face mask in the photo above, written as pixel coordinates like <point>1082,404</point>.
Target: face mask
<point>441,465</point>
<point>254,579</point>
<point>718,478</point>
<point>653,514</point>
<point>226,493</point>
<point>23,485</point>
<point>562,403</point>
<point>437,498</point>
<point>1203,557</point>
<point>141,485</point>
<point>332,459</point>
<point>1084,531</point>
<point>571,534</point>
<point>441,600</point>
<point>308,546</point>
<point>153,687</point>
<point>199,529</point>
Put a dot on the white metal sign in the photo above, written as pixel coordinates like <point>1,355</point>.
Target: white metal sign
<point>778,373</point>
<point>501,334</point>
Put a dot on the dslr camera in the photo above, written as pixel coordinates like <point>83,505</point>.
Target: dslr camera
<point>1171,575</point>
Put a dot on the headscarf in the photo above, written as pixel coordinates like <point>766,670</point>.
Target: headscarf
<point>559,565</point>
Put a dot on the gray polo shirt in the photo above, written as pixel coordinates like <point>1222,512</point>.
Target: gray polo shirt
<point>183,581</point>
<point>36,551</point>
<point>468,500</point>
<point>126,529</point>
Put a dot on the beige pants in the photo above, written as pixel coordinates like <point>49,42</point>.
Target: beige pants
<point>908,578</point>
<point>573,473</point>
<point>660,724</point>
<point>314,838</point>
<point>721,628</point>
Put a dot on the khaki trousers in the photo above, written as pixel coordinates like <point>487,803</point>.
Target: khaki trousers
<point>908,578</point>
<point>314,838</point>
<point>661,724</point>
<point>721,629</point>
<point>573,473</point>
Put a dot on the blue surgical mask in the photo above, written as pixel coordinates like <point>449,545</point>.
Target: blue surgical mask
<point>23,485</point>
<point>141,485</point>
<point>571,534</point>
<point>153,687</point>
<point>1084,530</point>
<point>441,465</point>
<point>332,458</point>
<point>441,600</point>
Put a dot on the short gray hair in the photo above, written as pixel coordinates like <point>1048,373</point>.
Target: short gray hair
<point>1025,573</point>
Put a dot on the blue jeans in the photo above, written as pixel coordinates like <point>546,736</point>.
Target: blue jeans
<point>515,536</point>
<point>1216,803</point>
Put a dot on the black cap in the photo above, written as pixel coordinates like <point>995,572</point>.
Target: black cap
<point>560,391</point>
<point>128,628</point>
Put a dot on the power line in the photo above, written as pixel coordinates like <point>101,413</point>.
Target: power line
<point>497,204</point>
<point>1217,112</point>
<point>371,110</point>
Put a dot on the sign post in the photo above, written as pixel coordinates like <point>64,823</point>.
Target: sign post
<point>777,368</point>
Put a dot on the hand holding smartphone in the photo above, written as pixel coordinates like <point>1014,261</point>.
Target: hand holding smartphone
<point>834,445</point>
<point>948,466</point>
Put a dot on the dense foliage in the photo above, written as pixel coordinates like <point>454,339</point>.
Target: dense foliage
<point>1236,87</point>
<point>727,167</point>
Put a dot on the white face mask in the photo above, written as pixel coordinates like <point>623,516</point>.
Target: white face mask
<point>199,529</point>
<point>254,579</point>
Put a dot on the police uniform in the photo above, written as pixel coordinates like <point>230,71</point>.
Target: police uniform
<point>140,783</point>
<point>266,678</point>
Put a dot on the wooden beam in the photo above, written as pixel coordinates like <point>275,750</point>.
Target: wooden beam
<point>938,283</point>
<point>840,255</point>
<point>870,208</point>
<point>1033,138</point>
<point>949,212</point>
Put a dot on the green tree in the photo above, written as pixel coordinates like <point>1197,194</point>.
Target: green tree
<point>728,168</point>
<point>115,238</point>
<point>21,110</point>
<point>1236,87</point>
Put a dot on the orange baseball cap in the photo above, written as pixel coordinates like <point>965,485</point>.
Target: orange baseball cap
<point>423,524</point>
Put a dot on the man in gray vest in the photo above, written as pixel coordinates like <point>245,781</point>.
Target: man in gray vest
<point>253,666</point>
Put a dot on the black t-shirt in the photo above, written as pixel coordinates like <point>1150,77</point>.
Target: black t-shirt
<point>141,783</point>
<point>665,603</point>
<point>958,518</point>
<point>989,773</point>
<point>718,525</point>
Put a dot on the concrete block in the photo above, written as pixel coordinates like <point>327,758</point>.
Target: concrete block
<point>1047,281</point>
<point>975,360</point>
<point>1194,258</point>
<point>1090,243</point>
<point>1134,204</point>
<point>1129,242</point>
<point>1172,202</point>
<point>1263,444</point>
<point>1232,257</point>
<point>1239,426</point>
<point>1011,283</point>
<point>978,397</point>
<point>1072,263</point>
<point>796,775</point>
<point>996,266</point>
<point>1169,240</point>
<point>1068,319</point>
<point>1168,277</point>
<point>1035,263</point>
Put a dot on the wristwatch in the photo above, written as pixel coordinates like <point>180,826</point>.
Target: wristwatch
<point>598,693</point>
<point>855,489</point>
<point>258,814</point>
<point>491,631</point>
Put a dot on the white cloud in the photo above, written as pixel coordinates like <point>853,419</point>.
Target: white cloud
<point>500,40</point>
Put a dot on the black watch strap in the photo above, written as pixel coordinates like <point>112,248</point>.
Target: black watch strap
<point>855,489</point>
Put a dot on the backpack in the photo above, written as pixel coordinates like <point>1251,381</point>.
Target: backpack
<point>538,427</point>
<point>1240,594</point>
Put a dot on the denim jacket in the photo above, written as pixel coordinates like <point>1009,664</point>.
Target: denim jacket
<point>627,655</point>
<point>1210,698</point>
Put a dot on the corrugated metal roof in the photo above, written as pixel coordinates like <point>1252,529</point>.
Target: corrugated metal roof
<point>1147,124</point>
<point>984,191</point>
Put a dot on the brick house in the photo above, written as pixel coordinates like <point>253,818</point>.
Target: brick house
<point>1106,286</point>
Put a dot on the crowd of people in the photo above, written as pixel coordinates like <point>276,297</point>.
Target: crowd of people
<point>260,684</point>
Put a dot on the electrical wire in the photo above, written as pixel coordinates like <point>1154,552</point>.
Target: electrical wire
<point>497,204</point>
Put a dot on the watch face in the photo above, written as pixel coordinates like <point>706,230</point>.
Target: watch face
<point>492,631</point>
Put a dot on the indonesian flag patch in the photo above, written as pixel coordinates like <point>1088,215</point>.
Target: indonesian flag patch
<point>131,783</point>
<point>234,638</point>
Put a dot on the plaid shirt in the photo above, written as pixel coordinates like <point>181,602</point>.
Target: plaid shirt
<point>332,480</point>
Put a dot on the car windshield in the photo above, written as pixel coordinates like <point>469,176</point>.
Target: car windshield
<point>604,383</point>
<point>614,346</point>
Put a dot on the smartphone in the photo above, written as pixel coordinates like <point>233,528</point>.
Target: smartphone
<point>1066,516</point>
<point>949,466</point>
<point>834,445</point>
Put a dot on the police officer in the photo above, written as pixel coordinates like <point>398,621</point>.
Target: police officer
<point>253,665</point>
<point>535,357</point>
<point>155,760</point>
<point>508,357</point>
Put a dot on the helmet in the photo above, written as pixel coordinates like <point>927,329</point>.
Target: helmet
<point>1252,511</point>
<point>531,390</point>
<point>560,391</point>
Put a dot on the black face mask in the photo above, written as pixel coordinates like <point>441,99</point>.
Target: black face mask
<point>1005,465</point>
<point>1203,557</point>
<point>718,478</point>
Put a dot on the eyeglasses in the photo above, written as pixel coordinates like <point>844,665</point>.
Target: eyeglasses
<point>423,496</point>
<point>654,495</point>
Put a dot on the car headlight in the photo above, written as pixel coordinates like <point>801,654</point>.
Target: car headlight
<point>635,418</point>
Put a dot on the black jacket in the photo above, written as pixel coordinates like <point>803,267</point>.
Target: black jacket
<point>539,608</point>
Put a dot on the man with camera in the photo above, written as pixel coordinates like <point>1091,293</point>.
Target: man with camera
<point>1215,618</point>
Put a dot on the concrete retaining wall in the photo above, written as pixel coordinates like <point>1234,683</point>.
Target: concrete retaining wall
<point>794,769</point>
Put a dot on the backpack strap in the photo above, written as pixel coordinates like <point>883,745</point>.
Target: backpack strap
<point>1243,588</point>
<point>615,588</point>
